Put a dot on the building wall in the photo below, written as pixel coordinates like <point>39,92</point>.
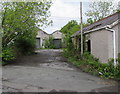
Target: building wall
<point>99,45</point>
<point>110,45</point>
<point>42,35</point>
<point>58,39</point>
<point>102,43</point>
<point>117,28</point>
<point>57,35</point>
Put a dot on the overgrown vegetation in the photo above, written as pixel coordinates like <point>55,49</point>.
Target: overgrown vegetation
<point>92,65</point>
<point>25,45</point>
<point>88,62</point>
<point>8,54</point>
<point>99,10</point>
<point>49,43</point>
<point>20,21</point>
<point>68,30</point>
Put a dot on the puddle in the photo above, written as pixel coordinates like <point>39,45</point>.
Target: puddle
<point>58,65</point>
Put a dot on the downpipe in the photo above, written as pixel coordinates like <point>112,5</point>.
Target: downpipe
<point>114,44</point>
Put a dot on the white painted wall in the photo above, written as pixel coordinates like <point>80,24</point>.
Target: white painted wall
<point>99,45</point>
<point>42,35</point>
<point>57,35</point>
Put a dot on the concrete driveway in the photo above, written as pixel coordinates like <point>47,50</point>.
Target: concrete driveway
<point>49,71</point>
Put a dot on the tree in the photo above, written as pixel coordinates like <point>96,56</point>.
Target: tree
<point>90,21</point>
<point>70,28</point>
<point>21,17</point>
<point>99,10</point>
<point>19,23</point>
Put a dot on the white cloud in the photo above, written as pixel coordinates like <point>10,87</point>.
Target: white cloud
<point>63,11</point>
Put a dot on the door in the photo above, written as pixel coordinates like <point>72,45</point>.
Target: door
<point>57,43</point>
<point>89,46</point>
<point>37,42</point>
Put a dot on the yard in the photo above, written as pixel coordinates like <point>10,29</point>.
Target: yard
<point>49,71</point>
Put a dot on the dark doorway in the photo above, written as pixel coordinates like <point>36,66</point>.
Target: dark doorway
<point>37,42</point>
<point>57,43</point>
<point>89,46</point>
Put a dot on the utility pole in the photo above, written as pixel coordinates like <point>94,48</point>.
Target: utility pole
<point>81,28</point>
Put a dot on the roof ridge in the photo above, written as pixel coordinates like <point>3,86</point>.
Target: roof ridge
<point>55,31</point>
<point>104,18</point>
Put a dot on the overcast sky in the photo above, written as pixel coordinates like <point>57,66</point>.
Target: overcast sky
<point>63,11</point>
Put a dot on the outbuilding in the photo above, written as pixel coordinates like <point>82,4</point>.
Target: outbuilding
<point>102,38</point>
<point>40,38</point>
<point>57,39</point>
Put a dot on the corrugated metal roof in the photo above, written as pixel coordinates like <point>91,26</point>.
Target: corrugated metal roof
<point>103,22</point>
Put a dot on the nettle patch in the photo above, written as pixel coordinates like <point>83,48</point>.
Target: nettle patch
<point>92,65</point>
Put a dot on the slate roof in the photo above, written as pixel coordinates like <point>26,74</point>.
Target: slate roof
<point>103,22</point>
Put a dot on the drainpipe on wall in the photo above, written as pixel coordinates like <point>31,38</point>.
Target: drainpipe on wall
<point>114,44</point>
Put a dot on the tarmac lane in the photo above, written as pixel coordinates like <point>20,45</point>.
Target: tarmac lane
<point>49,71</point>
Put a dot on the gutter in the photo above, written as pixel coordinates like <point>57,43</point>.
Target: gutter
<point>89,31</point>
<point>108,27</point>
<point>95,29</point>
<point>114,44</point>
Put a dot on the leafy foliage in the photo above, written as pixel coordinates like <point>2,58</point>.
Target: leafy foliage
<point>99,10</point>
<point>68,30</point>
<point>49,43</point>
<point>92,65</point>
<point>8,54</point>
<point>26,43</point>
<point>19,17</point>
<point>19,23</point>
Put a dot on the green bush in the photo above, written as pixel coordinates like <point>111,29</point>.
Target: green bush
<point>106,70</point>
<point>25,45</point>
<point>49,43</point>
<point>69,50</point>
<point>92,65</point>
<point>8,54</point>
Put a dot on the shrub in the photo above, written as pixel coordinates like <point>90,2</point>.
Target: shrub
<point>49,43</point>
<point>69,50</point>
<point>92,65</point>
<point>106,70</point>
<point>8,54</point>
<point>25,44</point>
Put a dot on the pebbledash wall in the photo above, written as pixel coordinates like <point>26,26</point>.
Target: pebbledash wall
<point>102,43</point>
<point>42,36</point>
<point>100,39</point>
<point>118,34</point>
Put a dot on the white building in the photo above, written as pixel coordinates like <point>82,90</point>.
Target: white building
<point>40,39</point>
<point>42,36</point>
